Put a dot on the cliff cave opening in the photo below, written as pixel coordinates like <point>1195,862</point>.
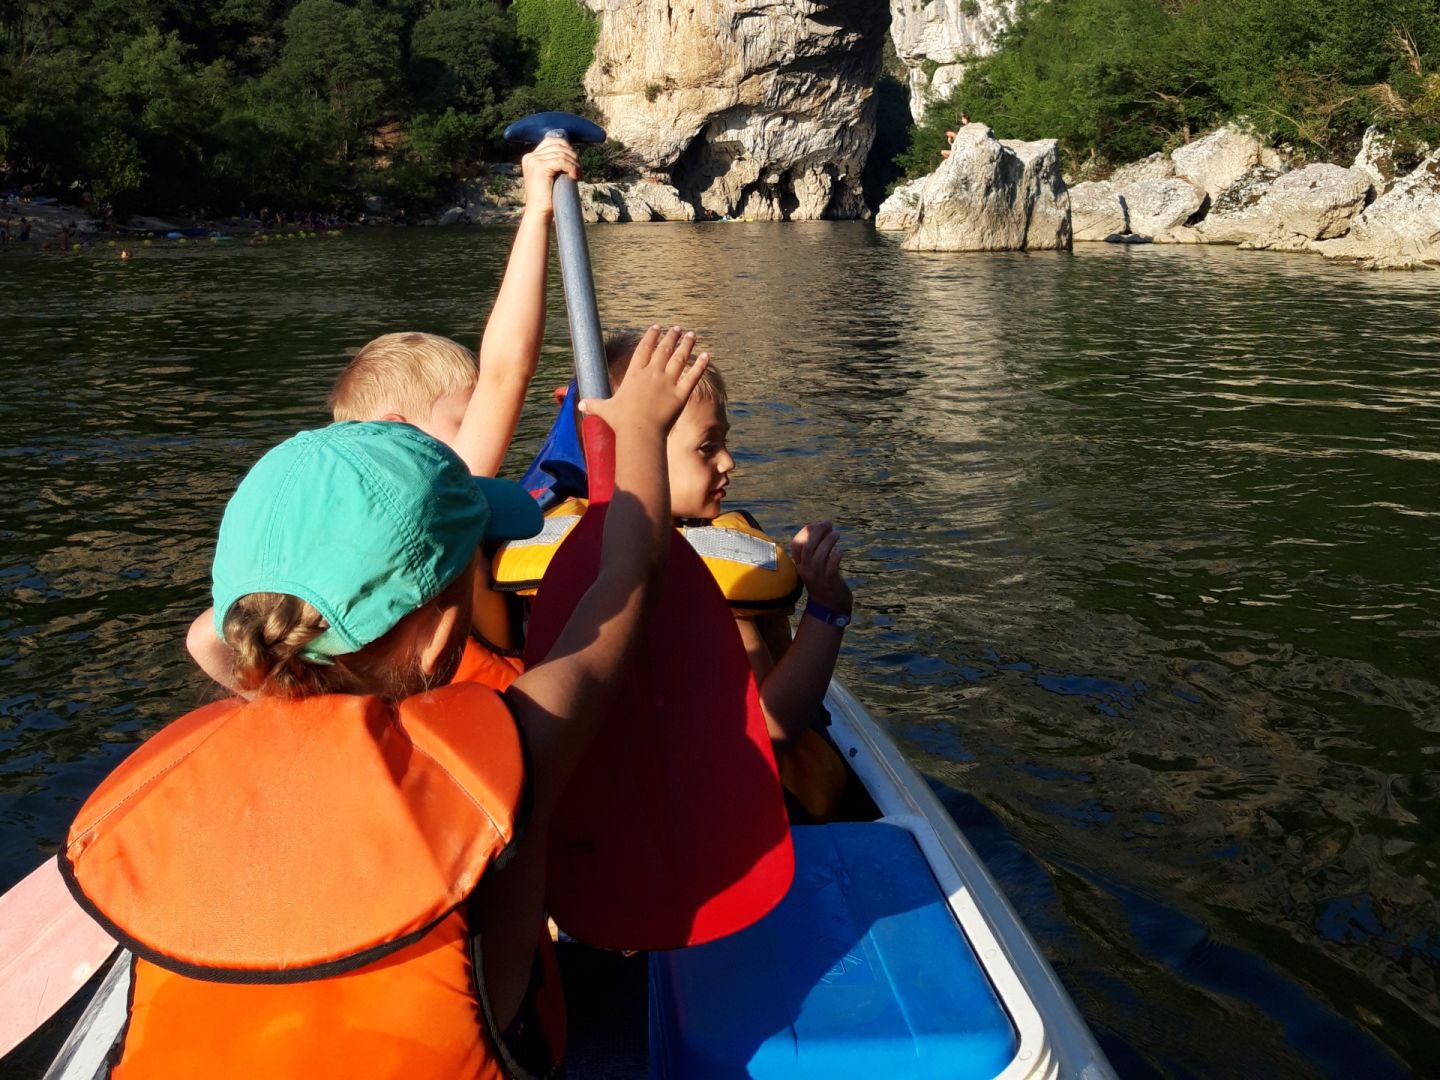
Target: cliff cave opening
<point>893,130</point>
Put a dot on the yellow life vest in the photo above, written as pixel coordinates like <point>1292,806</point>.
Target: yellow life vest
<point>755,573</point>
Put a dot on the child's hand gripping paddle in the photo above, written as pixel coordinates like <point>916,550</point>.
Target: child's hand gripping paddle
<point>672,831</point>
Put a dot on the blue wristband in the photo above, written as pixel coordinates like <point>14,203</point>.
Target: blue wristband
<point>824,614</point>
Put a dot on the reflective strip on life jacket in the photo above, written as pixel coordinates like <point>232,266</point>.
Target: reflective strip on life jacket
<point>755,573</point>
<point>520,564</point>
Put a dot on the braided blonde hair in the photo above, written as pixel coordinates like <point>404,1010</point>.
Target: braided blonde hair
<point>267,634</point>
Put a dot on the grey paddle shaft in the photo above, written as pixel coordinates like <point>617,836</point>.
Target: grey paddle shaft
<point>585,336</point>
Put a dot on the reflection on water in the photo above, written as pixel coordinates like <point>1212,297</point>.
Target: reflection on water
<point>1145,545</point>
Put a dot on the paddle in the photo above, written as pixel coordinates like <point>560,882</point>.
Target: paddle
<point>49,948</point>
<point>673,831</point>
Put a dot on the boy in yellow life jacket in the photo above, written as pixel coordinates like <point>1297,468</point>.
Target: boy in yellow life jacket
<point>761,581</point>
<point>344,876</point>
<point>470,405</point>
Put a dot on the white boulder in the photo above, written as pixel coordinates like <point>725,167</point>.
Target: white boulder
<point>602,203</point>
<point>1141,199</point>
<point>1317,202</point>
<point>1096,211</point>
<point>649,200</point>
<point>1049,226</point>
<point>899,210</point>
<point>646,200</point>
<point>1398,231</point>
<point>985,197</point>
<point>1152,206</point>
<point>1218,159</point>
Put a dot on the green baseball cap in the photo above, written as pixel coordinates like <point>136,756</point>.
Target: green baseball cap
<point>365,521</point>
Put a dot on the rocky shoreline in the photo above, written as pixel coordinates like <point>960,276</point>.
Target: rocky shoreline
<point>1382,212</point>
<point>1224,188</point>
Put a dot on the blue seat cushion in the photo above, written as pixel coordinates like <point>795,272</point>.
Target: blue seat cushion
<point>861,971</point>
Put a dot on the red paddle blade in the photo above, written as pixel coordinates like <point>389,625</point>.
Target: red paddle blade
<point>673,830</point>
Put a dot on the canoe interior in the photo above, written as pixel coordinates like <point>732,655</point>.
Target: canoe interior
<point>607,992</point>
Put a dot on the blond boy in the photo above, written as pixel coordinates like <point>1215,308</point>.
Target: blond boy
<point>439,386</point>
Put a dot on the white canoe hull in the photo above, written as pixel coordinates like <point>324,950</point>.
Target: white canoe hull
<point>1054,1041</point>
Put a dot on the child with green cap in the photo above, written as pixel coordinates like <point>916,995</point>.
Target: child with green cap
<point>471,404</point>
<point>345,875</point>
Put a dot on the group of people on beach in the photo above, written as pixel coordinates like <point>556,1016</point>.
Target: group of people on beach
<point>340,867</point>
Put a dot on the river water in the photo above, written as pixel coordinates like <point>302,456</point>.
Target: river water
<point>1144,543</point>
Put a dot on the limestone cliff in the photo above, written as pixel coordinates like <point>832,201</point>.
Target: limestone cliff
<point>935,38</point>
<point>748,107</point>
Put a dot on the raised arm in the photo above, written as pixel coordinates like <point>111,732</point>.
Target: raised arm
<point>510,347</point>
<point>562,702</point>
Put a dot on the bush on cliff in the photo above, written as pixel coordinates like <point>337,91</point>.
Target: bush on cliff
<point>1115,80</point>
<point>562,34</point>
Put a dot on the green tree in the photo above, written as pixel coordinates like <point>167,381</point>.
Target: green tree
<point>562,34</point>
<point>1117,79</point>
<point>343,56</point>
<point>465,57</point>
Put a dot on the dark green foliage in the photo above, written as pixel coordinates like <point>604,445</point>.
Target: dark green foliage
<point>607,161</point>
<point>464,56</point>
<point>892,129</point>
<point>563,35</point>
<point>1117,79</point>
<point>162,104</point>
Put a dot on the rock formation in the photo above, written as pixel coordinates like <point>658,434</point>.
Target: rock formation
<point>1224,188</point>
<point>1138,202</point>
<point>1398,231</point>
<point>935,38</point>
<point>1247,190</point>
<point>1096,211</point>
<point>1152,206</point>
<point>1384,160</point>
<point>1048,228</point>
<point>1215,161</point>
<point>643,201</point>
<point>747,107</point>
<point>898,212</point>
<point>992,196</point>
<point>1317,202</point>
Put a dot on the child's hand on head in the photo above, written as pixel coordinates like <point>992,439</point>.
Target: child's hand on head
<point>817,554</point>
<point>657,384</point>
<point>541,166</point>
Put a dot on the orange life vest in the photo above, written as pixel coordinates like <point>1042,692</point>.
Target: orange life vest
<point>479,664</point>
<point>296,879</point>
